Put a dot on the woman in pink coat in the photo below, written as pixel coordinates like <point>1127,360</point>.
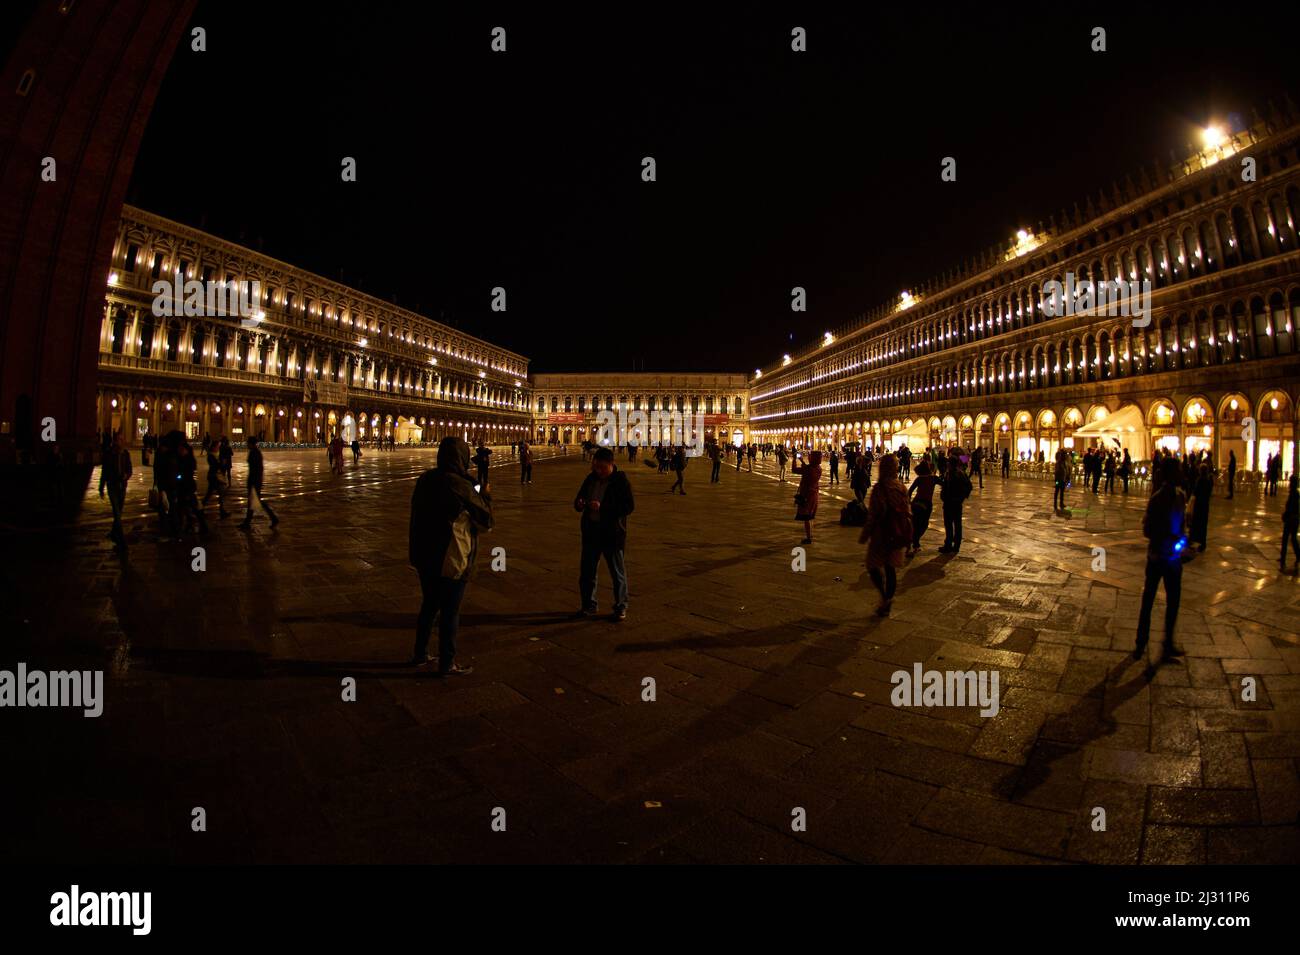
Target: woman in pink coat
<point>810,477</point>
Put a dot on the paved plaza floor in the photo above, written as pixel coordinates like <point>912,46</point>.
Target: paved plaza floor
<point>224,688</point>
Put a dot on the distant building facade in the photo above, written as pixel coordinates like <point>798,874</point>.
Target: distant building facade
<point>566,408</point>
<point>208,337</point>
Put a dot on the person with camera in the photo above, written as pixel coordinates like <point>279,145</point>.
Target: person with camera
<point>805,499</point>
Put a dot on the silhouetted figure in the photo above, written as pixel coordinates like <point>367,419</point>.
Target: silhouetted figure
<point>255,477</point>
<point>605,502</point>
<point>1291,524</point>
<point>1162,525</point>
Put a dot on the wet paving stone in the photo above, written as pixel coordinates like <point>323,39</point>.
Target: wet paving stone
<point>773,689</point>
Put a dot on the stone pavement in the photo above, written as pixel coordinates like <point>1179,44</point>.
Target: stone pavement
<point>772,687</point>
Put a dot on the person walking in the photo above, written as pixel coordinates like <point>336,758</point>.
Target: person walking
<point>605,502</point>
<point>356,452</point>
<point>1163,527</point>
<point>1061,478</point>
<point>805,499</point>
<point>740,456</point>
<point>921,494</point>
<point>753,453</point>
<point>525,463</point>
<point>956,488</point>
<point>888,531</point>
<point>1096,470</point>
<point>447,514</point>
<point>782,457</point>
<point>904,462</point>
<point>117,474</point>
<point>1232,473</point>
<point>1110,473</point>
<point>1126,469</point>
<point>835,466</point>
<point>679,465</point>
<point>977,465</point>
<point>482,460</point>
<point>217,480</point>
<point>715,455</point>
<point>1006,463</point>
<point>255,478</point>
<point>1291,524</point>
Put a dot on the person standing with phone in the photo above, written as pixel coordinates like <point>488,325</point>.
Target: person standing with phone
<point>805,499</point>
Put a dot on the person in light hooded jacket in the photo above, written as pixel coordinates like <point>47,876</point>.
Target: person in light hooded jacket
<point>448,510</point>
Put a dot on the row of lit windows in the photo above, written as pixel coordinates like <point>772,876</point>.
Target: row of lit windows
<point>642,403</point>
<point>1226,336</point>
<point>338,315</point>
<point>286,358</point>
<point>1225,240</point>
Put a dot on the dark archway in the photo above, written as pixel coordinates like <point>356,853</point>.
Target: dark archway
<point>78,88</point>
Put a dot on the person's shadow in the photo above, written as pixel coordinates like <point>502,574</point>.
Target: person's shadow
<point>1079,726</point>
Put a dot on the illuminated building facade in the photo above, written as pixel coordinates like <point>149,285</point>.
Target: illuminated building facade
<point>566,408</point>
<point>974,358</point>
<point>302,360</point>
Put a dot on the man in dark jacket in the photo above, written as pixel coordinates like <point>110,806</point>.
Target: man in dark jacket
<point>1162,525</point>
<point>605,501</point>
<point>447,514</point>
<point>255,486</point>
<point>956,488</point>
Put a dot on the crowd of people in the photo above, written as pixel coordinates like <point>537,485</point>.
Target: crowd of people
<point>893,502</point>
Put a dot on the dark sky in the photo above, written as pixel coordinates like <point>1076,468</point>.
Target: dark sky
<point>775,168</point>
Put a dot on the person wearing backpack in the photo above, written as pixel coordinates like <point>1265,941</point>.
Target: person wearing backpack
<point>604,501</point>
<point>447,514</point>
<point>1163,526</point>
<point>887,532</point>
<point>956,488</point>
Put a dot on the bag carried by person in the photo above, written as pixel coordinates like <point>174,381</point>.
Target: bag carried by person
<point>460,549</point>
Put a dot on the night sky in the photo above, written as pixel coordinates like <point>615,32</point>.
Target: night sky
<point>775,168</point>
